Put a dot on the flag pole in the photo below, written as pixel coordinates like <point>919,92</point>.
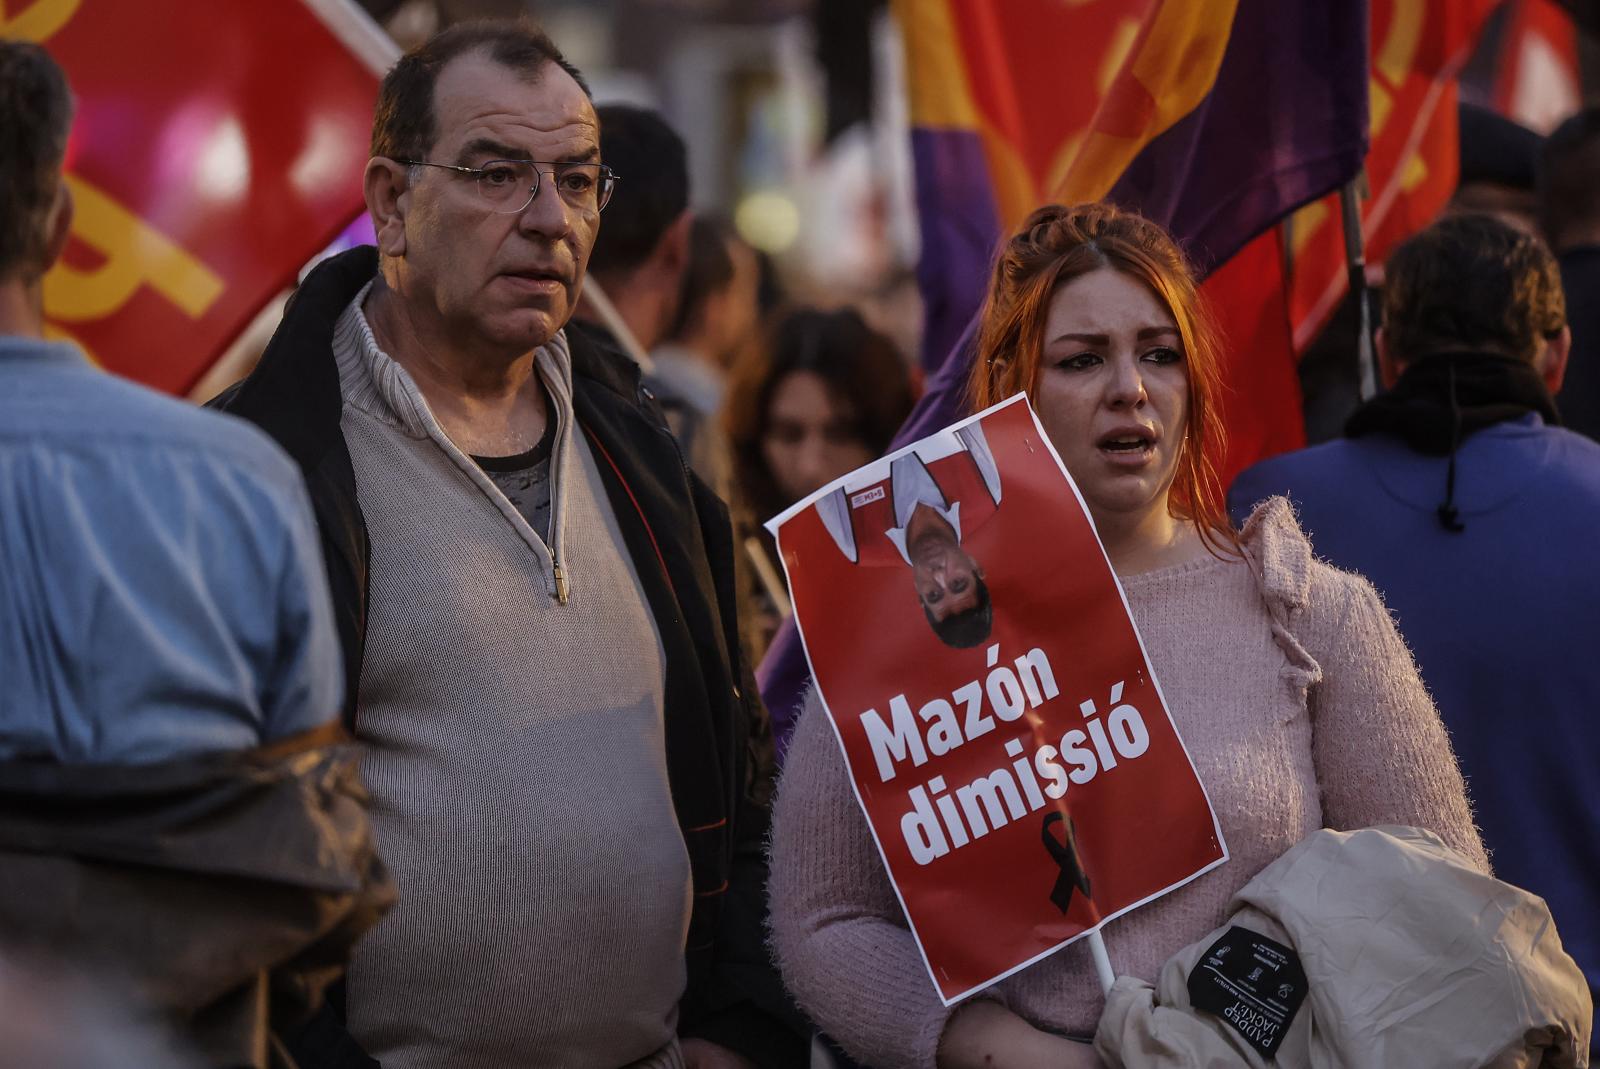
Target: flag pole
<point>1355,255</point>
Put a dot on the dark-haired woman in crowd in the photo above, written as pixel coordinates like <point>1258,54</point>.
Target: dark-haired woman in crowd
<point>1286,678</point>
<point>822,397</point>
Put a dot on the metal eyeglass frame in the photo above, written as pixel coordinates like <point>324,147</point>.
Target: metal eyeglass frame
<point>608,177</point>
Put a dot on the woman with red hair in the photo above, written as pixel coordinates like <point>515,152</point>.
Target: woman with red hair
<point>1298,702</point>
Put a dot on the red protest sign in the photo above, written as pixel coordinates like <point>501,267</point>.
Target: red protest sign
<point>1005,736</point>
<point>218,145</point>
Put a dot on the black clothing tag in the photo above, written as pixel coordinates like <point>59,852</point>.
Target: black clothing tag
<point>1253,983</point>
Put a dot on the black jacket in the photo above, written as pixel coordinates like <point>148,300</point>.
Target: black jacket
<point>719,750</point>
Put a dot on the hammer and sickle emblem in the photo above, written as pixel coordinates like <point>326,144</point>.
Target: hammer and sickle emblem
<point>37,21</point>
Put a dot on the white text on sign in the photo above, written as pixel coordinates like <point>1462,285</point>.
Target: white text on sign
<point>940,819</point>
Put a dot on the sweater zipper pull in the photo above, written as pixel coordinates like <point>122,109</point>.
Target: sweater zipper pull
<point>561,583</point>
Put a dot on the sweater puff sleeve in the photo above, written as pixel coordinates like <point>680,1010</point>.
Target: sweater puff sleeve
<point>839,932</point>
<point>1381,753</point>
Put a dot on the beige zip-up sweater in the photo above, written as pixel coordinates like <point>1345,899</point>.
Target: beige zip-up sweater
<point>1301,708</point>
<point>515,753</point>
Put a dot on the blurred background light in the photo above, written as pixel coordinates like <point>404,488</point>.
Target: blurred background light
<point>769,221</point>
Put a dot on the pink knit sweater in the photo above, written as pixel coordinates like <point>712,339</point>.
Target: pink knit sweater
<point>1302,709</point>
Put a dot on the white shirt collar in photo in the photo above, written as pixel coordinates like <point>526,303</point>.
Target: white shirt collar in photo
<point>911,485</point>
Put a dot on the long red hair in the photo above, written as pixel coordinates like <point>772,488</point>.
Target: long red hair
<point>1057,244</point>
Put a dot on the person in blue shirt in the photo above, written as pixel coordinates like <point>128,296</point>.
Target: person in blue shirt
<point>161,584</point>
<point>1475,515</point>
<point>181,820</point>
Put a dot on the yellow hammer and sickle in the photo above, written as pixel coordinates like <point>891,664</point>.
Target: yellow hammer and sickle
<point>38,21</point>
<point>136,254</point>
<point>1395,56</point>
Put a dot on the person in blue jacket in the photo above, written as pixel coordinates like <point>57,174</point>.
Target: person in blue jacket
<point>1475,514</point>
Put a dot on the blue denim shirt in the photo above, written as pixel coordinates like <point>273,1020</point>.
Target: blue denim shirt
<point>161,583</point>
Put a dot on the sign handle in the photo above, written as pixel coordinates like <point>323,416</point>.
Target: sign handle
<point>1102,961</point>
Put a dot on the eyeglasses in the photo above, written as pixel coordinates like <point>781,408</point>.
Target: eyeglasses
<point>510,185</point>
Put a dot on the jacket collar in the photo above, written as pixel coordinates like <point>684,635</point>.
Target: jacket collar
<point>17,348</point>
<point>294,392</point>
<point>599,357</point>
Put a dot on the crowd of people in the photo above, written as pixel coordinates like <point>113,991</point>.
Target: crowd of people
<point>400,711</point>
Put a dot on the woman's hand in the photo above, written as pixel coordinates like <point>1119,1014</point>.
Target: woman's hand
<point>986,1035</point>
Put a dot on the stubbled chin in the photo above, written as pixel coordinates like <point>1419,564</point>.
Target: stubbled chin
<point>530,330</point>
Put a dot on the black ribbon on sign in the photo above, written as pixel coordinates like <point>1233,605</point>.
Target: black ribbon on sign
<point>1064,852</point>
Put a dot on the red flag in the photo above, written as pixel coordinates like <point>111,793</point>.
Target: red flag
<point>218,146</point>
<point>1538,83</point>
<point>1418,47</point>
<point>1261,403</point>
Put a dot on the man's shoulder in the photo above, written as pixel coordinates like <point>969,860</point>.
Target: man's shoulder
<point>153,459</point>
<point>598,359</point>
<point>118,414</point>
<point>1298,474</point>
<point>604,374</point>
<point>682,377</point>
<point>1571,447</point>
<point>1564,464</point>
<point>1313,459</point>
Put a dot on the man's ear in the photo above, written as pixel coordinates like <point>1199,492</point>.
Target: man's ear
<point>1552,362</point>
<point>665,269</point>
<point>1389,365</point>
<point>387,190</point>
<point>672,251</point>
<point>58,225</point>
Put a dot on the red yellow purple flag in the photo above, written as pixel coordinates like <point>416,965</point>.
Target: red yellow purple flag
<point>1216,118</point>
<point>1001,96</point>
<point>1213,117</point>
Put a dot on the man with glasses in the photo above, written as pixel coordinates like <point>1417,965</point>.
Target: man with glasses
<point>534,602</point>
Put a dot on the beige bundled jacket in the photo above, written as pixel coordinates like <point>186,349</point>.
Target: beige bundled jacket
<point>1399,953</point>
